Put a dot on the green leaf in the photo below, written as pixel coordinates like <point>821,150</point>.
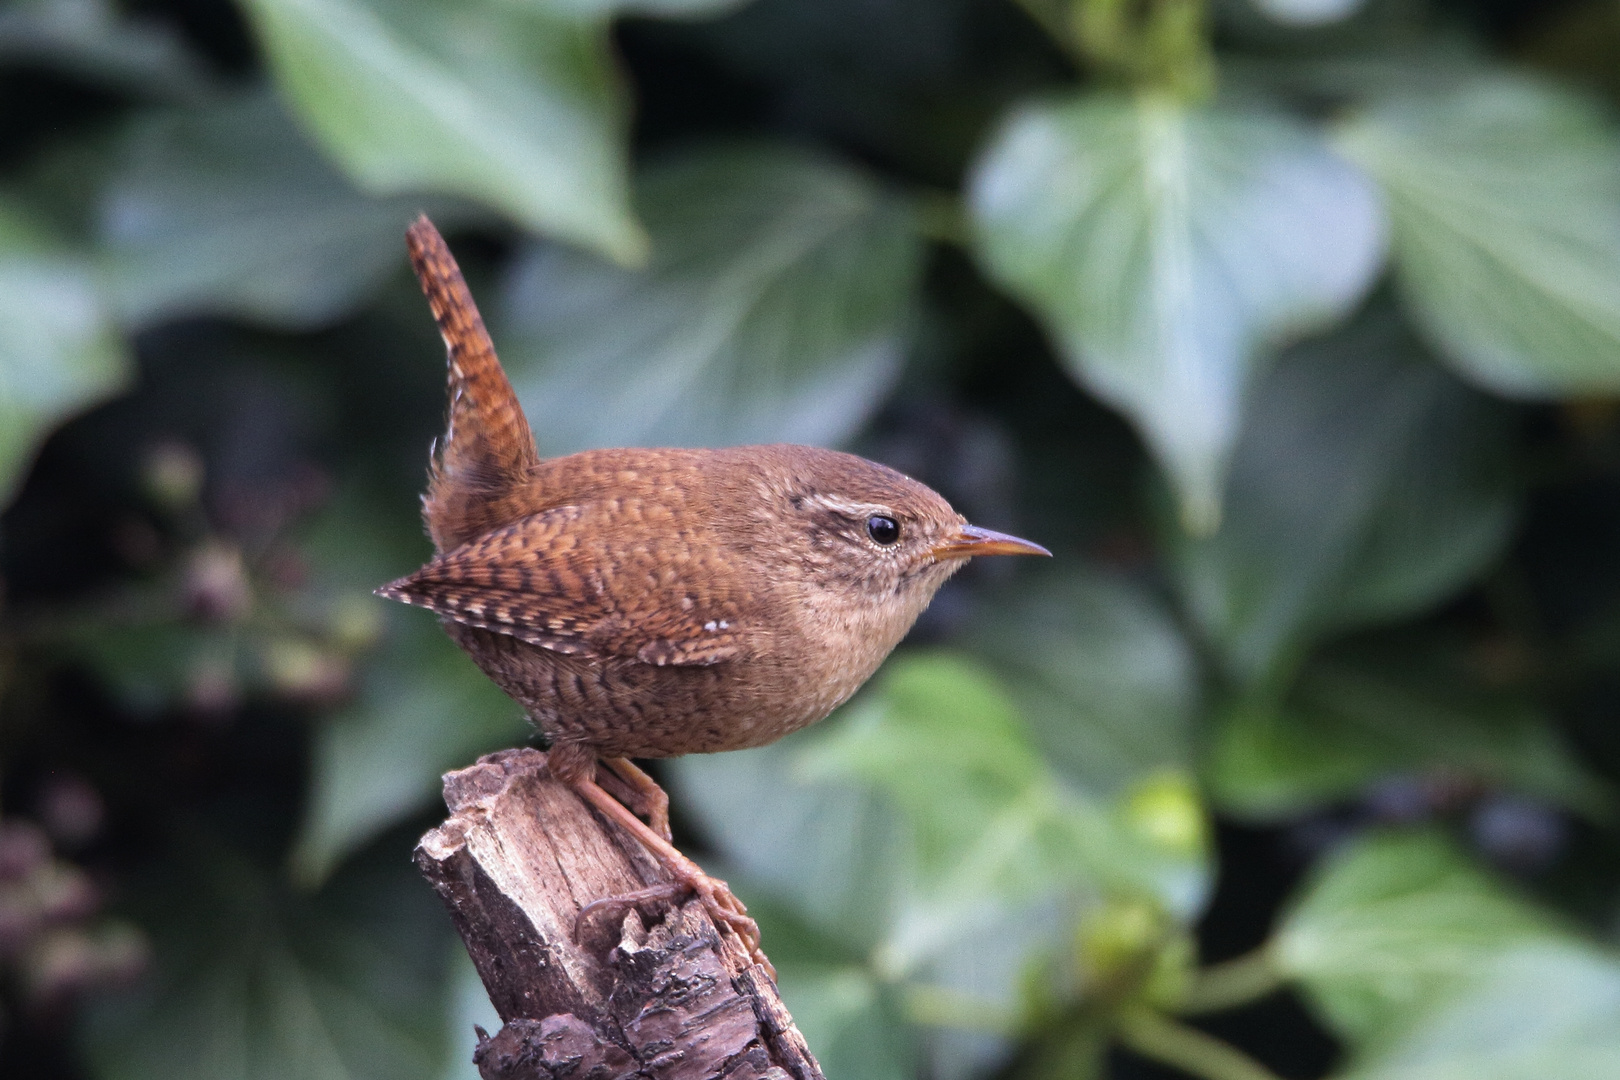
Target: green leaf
<point>836,851</point>
<point>1403,709</point>
<point>1396,925</point>
<point>852,1022</point>
<point>850,1015</point>
<point>58,350</point>
<point>422,707</point>
<point>517,106</point>
<point>1547,1012</point>
<point>1308,13</point>
<point>826,868</point>
<point>774,309</point>
<point>658,9</point>
<point>1434,972</point>
<point>1166,249</point>
<point>967,760</point>
<point>1100,672</point>
<point>925,809</point>
<point>1367,486</point>
<point>93,41</point>
<point>226,209</point>
<point>252,979</point>
<point>1505,200</point>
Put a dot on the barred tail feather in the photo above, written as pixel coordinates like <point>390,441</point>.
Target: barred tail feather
<point>487,450</point>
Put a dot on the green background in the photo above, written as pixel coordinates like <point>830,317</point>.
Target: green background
<point>1292,327</point>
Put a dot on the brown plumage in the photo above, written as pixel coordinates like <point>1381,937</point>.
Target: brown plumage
<point>653,603</point>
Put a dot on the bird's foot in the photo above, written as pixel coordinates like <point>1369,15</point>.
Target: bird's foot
<point>728,911</point>
<point>718,900</point>
<point>616,905</point>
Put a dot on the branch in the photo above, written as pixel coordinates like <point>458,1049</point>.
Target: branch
<point>649,991</point>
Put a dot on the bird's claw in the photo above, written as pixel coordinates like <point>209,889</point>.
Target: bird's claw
<point>721,904</point>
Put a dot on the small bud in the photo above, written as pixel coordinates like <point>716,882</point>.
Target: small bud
<point>69,960</point>
<point>216,583</point>
<point>61,963</point>
<point>65,894</point>
<point>24,848</point>
<point>173,475</point>
<point>1132,949</point>
<point>20,920</point>
<point>300,670</point>
<point>356,622</point>
<point>1163,809</point>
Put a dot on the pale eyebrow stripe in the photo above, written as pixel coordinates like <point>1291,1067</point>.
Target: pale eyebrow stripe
<point>844,506</point>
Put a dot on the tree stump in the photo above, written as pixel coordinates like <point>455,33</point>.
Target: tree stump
<point>653,990</point>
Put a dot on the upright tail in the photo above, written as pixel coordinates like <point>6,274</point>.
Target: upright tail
<point>487,450</point>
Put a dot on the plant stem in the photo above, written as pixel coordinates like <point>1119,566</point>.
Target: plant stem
<point>1233,983</point>
<point>1164,1040</point>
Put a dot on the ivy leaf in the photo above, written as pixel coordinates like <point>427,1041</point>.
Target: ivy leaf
<point>1166,249</point>
<point>1367,485</point>
<point>1396,925</point>
<point>1434,972</point>
<point>925,807</point>
<point>1308,13</point>
<point>851,1021</point>
<point>1546,1012</point>
<point>655,9</point>
<point>516,106</point>
<point>226,209</point>
<point>1505,200</point>
<point>1100,672</point>
<point>774,309</point>
<point>1400,709</point>
<point>91,40</point>
<point>59,352</point>
<point>254,979</point>
<point>836,852</point>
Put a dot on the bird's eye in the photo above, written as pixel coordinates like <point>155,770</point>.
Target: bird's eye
<point>882,530</point>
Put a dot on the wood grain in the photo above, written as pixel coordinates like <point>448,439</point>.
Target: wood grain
<point>651,990</point>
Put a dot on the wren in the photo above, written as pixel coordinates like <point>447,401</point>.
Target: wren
<point>654,603</point>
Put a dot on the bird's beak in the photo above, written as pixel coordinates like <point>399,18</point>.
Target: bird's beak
<point>970,540</point>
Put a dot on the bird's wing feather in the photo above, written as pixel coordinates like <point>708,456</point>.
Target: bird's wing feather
<point>600,579</point>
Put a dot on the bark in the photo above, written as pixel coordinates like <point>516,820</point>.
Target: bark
<point>650,990</point>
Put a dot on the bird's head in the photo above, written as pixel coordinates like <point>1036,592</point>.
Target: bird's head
<point>869,544</point>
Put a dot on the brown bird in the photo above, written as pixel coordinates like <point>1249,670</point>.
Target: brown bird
<point>654,603</point>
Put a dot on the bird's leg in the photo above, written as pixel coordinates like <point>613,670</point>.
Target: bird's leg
<point>718,900</point>
<point>576,767</point>
<point>641,794</point>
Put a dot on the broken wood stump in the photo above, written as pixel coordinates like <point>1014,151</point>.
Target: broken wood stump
<point>651,991</point>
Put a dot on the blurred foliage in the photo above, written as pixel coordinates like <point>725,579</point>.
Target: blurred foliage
<point>1292,326</point>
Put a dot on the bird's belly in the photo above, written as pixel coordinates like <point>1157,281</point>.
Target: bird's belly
<point>626,708</point>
